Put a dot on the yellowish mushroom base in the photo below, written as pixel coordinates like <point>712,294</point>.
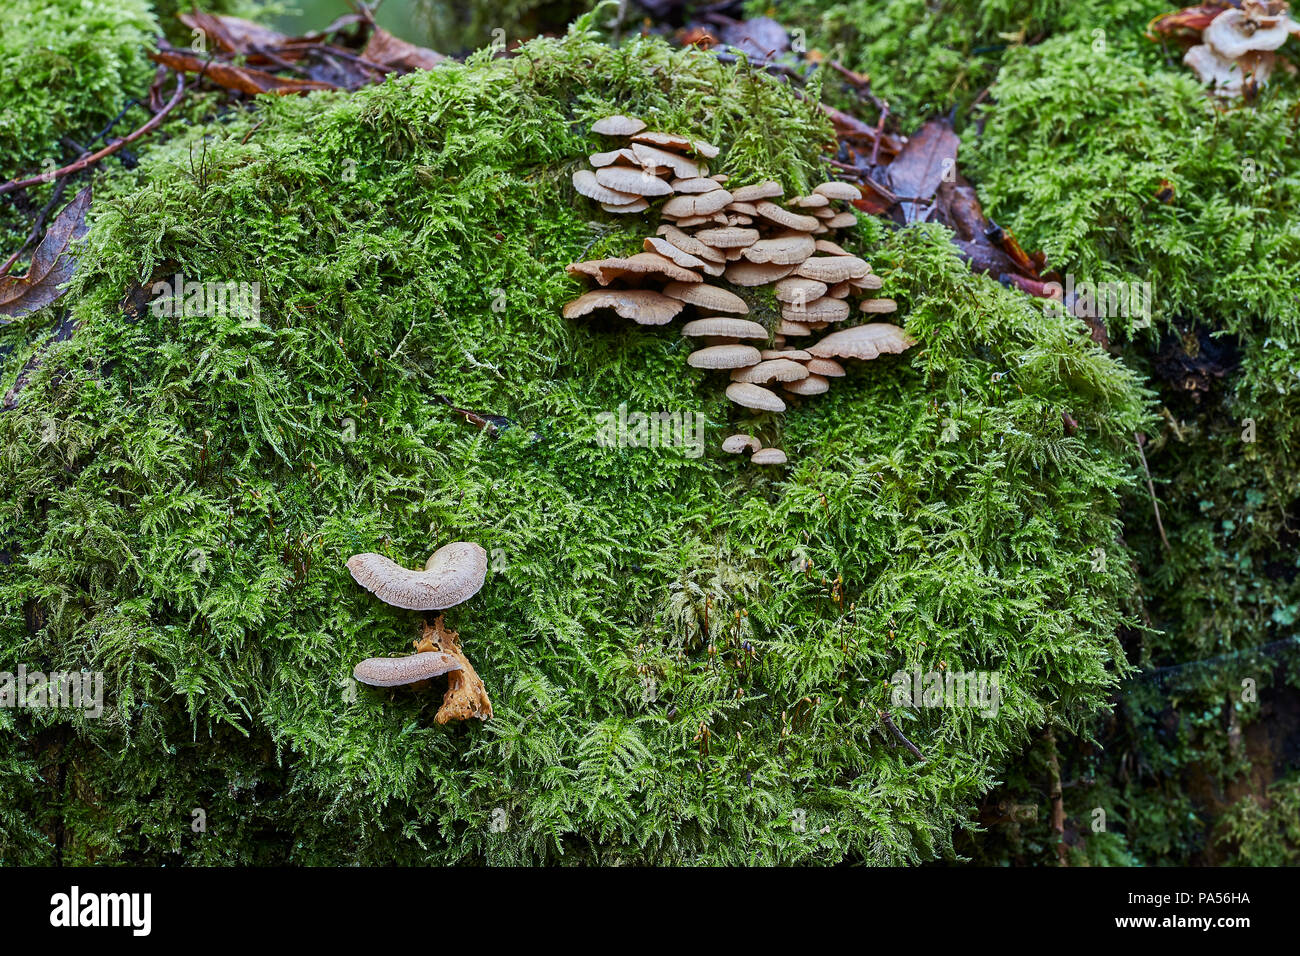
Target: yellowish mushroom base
<point>466,696</point>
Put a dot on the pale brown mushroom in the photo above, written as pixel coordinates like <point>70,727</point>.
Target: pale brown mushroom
<point>832,269</point>
<point>768,456</point>
<point>408,669</point>
<point>707,297</point>
<point>627,179</point>
<point>637,205</point>
<point>453,574</point>
<point>797,289</point>
<point>695,185</point>
<point>690,244</point>
<point>784,217</point>
<point>623,157</point>
<point>844,220</point>
<point>752,194</point>
<point>824,366</point>
<point>666,249</point>
<point>735,444</point>
<point>815,201</point>
<point>744,208</point>
<point>838,190</point>
<point>618,125</point>
<point>772,370</point>
<point>643,306</point>
<point>811,385</point>
<point>723,357</point>
<point>789,327</point>
<point>830,248</point>
<point>605,271</point>
<point>585,182</point>
<point>863,342</point>
<point>756,273</point>
<point>789,248</point>
<point>825,309</point>
<point>692,206</point>
<point>728,237</point>
<point>755,396</point>
<point>682,167</point>
<point>725,327</point>
<point>796,355</point>
<point>878,306</point>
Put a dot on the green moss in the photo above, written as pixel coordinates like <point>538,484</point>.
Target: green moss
<point>179,497</point>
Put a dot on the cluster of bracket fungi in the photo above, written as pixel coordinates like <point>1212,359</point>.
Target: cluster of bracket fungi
<point>452,575</point>
<point>743,236</point>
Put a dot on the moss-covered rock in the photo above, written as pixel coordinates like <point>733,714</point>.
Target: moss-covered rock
<point>673,681</point>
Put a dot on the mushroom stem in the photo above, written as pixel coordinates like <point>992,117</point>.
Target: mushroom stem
<point>466,696</point>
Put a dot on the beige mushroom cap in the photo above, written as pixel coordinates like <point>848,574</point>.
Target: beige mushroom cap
<point>811,385</point>
<point>707,297</point>
<point>682,167</point>
<point>838,190</point>
<point>798,289</point>
<point>723,356</point>
<point>878,306</point>
<point>727,327</point>
<point>784,217</point>
<point>666,249</point>
<point>453,574</point>
<point>605,271</point>
<point>628,179</point>
<point>395,671</point>
<point>695,205</point>
<point>797,355</point>
<point>768,456</point>
<point>863,342</point>
<point>788,327</point>
<point>624,156</point>
<point>756,273</point>
<point>765,190</point>
<point>735,444</point>
<point>688,243</point>
<point>824,366</point>
<point>637,205</point>
<point>643,306</point>
<point>1234,32</point>
<point>771,370</point>
<point>825,309</point>
<point>585,182</point>
<point>843,220</point>
<point>618,125</point>
<point>813,201</point>
<point>830,248</point>
<point>695,185</point>
<point>789,248</point>
<point>755,396</point>
<point>728,237</point>
<point>832,269</point>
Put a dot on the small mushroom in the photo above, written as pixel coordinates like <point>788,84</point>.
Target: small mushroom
<point>790,248</point>
<point>795,355</point>
<point>728,237</point>
<point>863,342</point>
<point>624,157</point>
<point>666,249</point>
<point>691,206</point>
<point>830,248</point>
<point>844,220</point>
<point>752,194</point>
<point>626,179</point>
<point>814,201</point>
<point>755,396</point>
<point>832,269</point>
<point>735,444</point>
<point>706,297</point>
<point>825,309</point>
<point>723,356</point>
<point>756,273</point>
<point>768,456</point>
<point>725,327</point>
<point>772,370</point>
<point>618,125</point>
<point>643,306</point>
<point>838,190</point>
<point>789,327</point>
<point>783,217</point>
<point>453,574</point>
<point>682,167</point>
<point>605,271</point>
<point>409,669</point>
<point>585,182</point>
<point>695,185</point>
<point>828,368</point>
<point>811,385</point>
<point>797,289</point>
<point>690,244</point>
<point>878,306</point>
<point>637,205</point>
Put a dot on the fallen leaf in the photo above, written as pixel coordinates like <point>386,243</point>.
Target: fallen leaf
<point>233,34</point>
<point>241,78</point>
<point>928,158</point>
<point>387,50</point>
<point>52,263</point>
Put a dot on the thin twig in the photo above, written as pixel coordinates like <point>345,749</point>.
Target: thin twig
<point>1151,489</point>
<point>916,751</point>
<point>36,227</point>
<point>80,164</point>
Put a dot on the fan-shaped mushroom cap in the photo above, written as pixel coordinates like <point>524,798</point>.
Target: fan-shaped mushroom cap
<point>690,206</point>
<point>830,248</point>
<point>811,385</point>
<point>768,456</point>
<point>723,356</point>
<point>815,201</point>
<point>695,185</point>
<point>784,217</point>
<point>453,574</point>
<point>868,281</point>
<point>832,269</point>
<point>735,444</point>
<point>618,125</point>
<point>825,309</point>
<point>863,342</point>
<point>772,370</point>
<point>707,297</point>
<point>623,157</point>
<point>1235,32</point>
<point>841,290</point>
<point>585,182</point>
<point>688,243</point>
<point>756,273</point>
<point>678,142</point>
<point>788,327</point>
<point>637,205</point>
<point>755,396</point>
<point>725,327</point>
<point>766,190</point>
<point>824,366</point>
<point>878,306</point>
<point>394,671</point>
<point>682,167</point>
<point>743,208</point>
<point>666,249</point>
<point>795,355</point>
<point>628,179</point>
<point>728,237</point>
<point>606,271</point>
<point>798,289</point>
<point>824,213</point>
<point>844,220</point>
<point>643,306</point>
<point>790,248</point>
<point>838,190</point>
